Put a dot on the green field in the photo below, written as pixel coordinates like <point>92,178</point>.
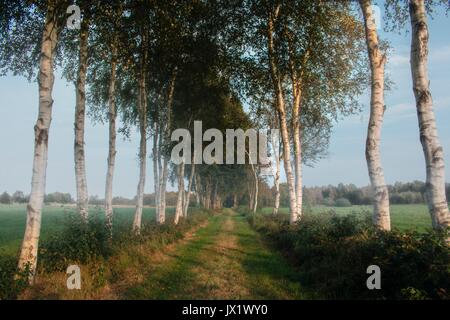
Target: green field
<point>403,216</point>
<point>13,218</point>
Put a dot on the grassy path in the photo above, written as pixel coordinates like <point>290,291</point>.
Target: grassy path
<point>225,259</point>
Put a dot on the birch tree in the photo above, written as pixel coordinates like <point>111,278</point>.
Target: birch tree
<point>19,21</point>
<point>114,16</point>
<point>397,13</point>
<point>80,118</point>
<point>310,53</point>
<point>432,148</point>
<point>141,16</point>
<point>381,214</point>
<point>180,199</point>
<point>108,62</point>
<point>142,111</point>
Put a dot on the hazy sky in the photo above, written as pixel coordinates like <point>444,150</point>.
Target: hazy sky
<point>401,150</point>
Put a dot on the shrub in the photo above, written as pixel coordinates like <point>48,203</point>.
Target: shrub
<point>333,252</point>
<point>11,281</point>
<point>79,242</point>
<point>342,202</point>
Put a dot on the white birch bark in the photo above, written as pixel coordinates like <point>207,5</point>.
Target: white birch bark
<point>112,116</point>
<point>142,105</point>
<point>432,149</point>
<point>79,125</point>
<point>276,177</point>
<point>180,198</point>
<point>381,213</point>
<point>281,110</point>
<point>156,169</point>
<point>165,139</point>
<point>187,198</point>
<point>162,192</point>
<point>29,248</point>
<point>254,202</point>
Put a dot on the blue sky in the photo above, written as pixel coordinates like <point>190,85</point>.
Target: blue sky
<point>401,150</point>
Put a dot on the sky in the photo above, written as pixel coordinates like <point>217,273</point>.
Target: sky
<point>402,154</point>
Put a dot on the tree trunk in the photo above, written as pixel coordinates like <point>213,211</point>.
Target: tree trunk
<point>156,169</point>
<point>165,140</point>
<point>276,182</point>
<point>112,116</point>
<point>381,214</point>
<point>280,104</point>
<point>298,167</point>
<point>187,198</point>
<point>142,105</point>
<point>29,249</point>
<point>432,149</point>
<point>80,117</point>
<point>179,207</point>
<point>255,196</point>
<point>235,201</point>
<point>207,196</point>
<point>197,190</point>
<point>162,192</point>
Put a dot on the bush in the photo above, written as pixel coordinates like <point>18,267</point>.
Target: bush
<point>333,252</point>
<point>5,198</point>
<point>342,202</point>
<point>11,281</point>
<point>78,242</point>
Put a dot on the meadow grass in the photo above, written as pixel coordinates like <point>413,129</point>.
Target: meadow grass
<point>13,218</point>
<point>403,216</point>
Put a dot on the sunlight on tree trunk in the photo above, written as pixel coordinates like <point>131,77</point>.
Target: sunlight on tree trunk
<point>179,207</point>
<point>381,213</point>
<point>432,149</point>
<point>29,249</point>
<point>276,177</point>
<point>142,105</point>
<point>280,104</point>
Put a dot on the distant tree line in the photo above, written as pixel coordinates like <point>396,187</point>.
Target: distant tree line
<point>340,196</point>
<point>19,197</point>
<point>343,195</point>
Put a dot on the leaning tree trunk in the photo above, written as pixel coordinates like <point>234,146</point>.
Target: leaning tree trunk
<point>142,105</point>
<point>112,116</point>
<point>281,112</point>
<point>381,214</point>
<point>179,207</point>
<point>29,249</point>
<point>80,119</point>
<point>432,149</point>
